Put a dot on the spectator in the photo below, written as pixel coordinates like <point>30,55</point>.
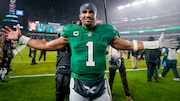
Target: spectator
<point>8,54</point>
<point>141,55</point>
<point>116,61</point>
<point>128,54</point>
<point>135,59</point>
<point>63,74</point>
<point>30,52</point>
<point>170,57</point>
<point>42,53</point>
<point>3,70</point>
<point>159,59</point>
<point>33,51</point>
<point>1,51</point>
<point>151,56</point>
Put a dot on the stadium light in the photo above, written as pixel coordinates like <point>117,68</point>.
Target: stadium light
<point>120,7</point>
<point>135,3</point>
<point>142,1</point>
<point>150,0</point>
<point>128,5</point>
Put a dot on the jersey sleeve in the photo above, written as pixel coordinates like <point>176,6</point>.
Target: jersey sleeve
<point>67,30</point>
<point>109,31</point>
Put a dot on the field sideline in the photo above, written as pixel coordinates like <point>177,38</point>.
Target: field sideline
<point>38,75</point>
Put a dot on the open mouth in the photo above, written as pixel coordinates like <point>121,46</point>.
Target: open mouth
<point>88,19</point>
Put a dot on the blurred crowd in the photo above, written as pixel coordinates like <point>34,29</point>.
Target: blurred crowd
<point>147,16</point>
<point>6,55</point>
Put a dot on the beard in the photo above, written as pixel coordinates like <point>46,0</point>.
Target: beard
<point>88,21</point>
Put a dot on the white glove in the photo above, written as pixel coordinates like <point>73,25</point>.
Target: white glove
<point>168,43</point>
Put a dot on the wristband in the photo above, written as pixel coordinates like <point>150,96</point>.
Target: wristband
<point>135,45</point>
<point>151,44</point>
<point>24,40</point>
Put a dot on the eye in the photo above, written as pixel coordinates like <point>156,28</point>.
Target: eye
<point>91,11</point>
<point>84,12</point>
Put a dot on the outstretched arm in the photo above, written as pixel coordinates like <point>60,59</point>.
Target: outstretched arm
<point>34,43</point>
<point>122,44</point>
<point>56,44</point>
<point>139,45</point>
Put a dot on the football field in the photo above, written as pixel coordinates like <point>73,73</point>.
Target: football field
<point>37,82</point>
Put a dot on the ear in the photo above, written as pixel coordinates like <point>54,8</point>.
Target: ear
<point>96,16</point>
<point>80,17</point>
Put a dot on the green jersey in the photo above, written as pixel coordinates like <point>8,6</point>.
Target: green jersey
<point>88,47</point>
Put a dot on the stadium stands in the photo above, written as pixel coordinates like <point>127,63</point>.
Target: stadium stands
<point>148,19</point>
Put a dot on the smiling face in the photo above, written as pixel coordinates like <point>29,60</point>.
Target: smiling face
<point>88,18</point>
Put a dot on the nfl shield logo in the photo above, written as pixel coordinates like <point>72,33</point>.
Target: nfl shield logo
<point>89,34</point>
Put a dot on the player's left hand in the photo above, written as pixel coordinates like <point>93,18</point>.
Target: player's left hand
<point>167,43</point>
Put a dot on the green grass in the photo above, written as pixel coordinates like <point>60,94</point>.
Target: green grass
<point>23,67</point>
<point>165,90</point>
<point>43,88</point>
<point>28,89</point>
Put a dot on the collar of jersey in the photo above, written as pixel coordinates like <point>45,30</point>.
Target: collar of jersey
<point>86,28</point>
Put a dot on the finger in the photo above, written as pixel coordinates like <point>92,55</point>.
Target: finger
<point>4,36</point>
<point>172,39</point>
<point>2,33</point>
<point>161,37</point>
<point>173,46</point>
<point>4,30</point>
<point>18,25</point>
<point>162,34</point>
<point>174,42</point>
<point>8,28</point>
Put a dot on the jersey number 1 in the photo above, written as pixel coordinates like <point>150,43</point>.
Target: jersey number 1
<point>90,61</point>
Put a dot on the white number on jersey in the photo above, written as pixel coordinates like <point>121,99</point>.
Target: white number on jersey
<point>90,61</point>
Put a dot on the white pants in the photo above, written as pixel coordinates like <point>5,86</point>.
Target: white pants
<point>74,96</point>
<point>134,62</point>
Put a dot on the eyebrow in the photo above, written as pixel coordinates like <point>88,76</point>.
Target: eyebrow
<point>90,11</point>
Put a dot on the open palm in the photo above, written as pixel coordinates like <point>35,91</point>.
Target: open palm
<point>8,33</point>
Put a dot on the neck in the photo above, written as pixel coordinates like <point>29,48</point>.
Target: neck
<point>89,27</point>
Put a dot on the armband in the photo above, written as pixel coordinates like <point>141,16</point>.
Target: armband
<point>24,40</point>
<point>151,44</point>
<point>135,45</point>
